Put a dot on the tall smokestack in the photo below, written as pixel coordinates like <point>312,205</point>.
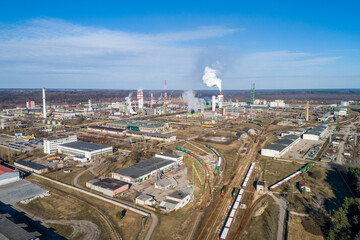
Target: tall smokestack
<point>151,99</point>
<point>90,108</point>
<point>165,96</point>
<point>220,99</point>
<point>307,111</point>
<point>44,103</point>
<point>140,97</point>
<point>213,103</point>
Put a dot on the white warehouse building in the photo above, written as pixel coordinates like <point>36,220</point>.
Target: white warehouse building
<point>316,133</point>
<point>86,150</point>
<point>281,146</point>
<point>51,144</point>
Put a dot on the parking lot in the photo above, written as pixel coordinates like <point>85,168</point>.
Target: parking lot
<point>19,144</point>
<point>303,148</point>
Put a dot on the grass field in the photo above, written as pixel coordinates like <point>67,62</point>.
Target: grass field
<point>277,170</point>
<point>297,230</point>
<point>176,226</point>
<point>61,176</point>
<point>262,224</point>
<point>64,203</point>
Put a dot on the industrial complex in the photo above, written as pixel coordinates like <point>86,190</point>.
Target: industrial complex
<point>175,156</point>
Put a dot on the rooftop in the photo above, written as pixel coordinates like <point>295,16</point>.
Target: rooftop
<point>11,230</point>
<point>84,146</point>
<point>149,134</point>
<point>178,194</point>
<point>57,138</point>
<point>109,183</point>
<point>106,128</point>
<point>145,167</point>
<point>30,164</point>
<point>4,169</point>
<point>168,155</point>
<point>138,123</point>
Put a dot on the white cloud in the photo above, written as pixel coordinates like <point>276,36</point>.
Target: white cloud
<point>46,46</point>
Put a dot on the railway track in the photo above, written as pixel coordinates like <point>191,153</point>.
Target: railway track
<point>215,221</point>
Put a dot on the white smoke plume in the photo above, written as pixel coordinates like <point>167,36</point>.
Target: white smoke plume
<point>128,101</point>
<point>210,78</point>
<point>193,102</point>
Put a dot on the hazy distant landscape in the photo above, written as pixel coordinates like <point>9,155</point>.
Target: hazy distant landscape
<point>17,97</point>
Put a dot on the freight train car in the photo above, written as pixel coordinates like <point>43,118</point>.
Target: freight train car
<point>305,168</point>
<point>231,215</point>
<point>202,162</point>
<point>259,124</point>
<point>218,165</point>
<point>248,175</point>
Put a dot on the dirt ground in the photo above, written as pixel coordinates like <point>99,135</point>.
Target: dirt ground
<point>64,203</point>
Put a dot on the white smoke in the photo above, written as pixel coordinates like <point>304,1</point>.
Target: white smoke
<point>128,101</point>
<point>193,102</point>
<point>210,78</point>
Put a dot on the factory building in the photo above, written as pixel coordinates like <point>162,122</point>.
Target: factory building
<point>31,166</point>
<point>166,183</point>
<point>108,186</point>
<point>175,200</point>
<point>171,157</point>
<point>51,144</point>
<point>106,130</point>
<point>7,175</point>
<point>135,125</point>
<point>30,104</point>
<point>86,150</point>
<point>281,146</point>
<point>9,124</point>
<point>316,133</point>
<point>145,199</point>
<point>277,103</point>
<point>142,171</point>
<point>299,132</point>
<point>151,136</point>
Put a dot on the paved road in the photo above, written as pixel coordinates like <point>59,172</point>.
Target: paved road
<point>282,207</point>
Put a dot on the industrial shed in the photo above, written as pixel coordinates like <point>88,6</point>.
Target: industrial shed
<point>176,200</point>
<point>316,133</point>
<point>108,186</point>
<point>85,150</point>
<point>142,171</point>
<point>137,125</point>
<point>7,175</point>
<point>31,166</point>
<point>281,146</point>
<point>151,136</point>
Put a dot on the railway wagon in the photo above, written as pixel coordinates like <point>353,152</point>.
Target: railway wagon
<point>305,168</point>
<point>202,162</point>
<point>218,165</point>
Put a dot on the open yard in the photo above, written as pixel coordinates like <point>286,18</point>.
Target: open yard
<point>67,204</point>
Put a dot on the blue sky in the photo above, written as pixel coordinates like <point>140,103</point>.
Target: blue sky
<point>139,44</point>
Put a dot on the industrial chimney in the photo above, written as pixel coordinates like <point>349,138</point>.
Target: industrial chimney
<point>213,103</point>
<point>44,103</point>
<point>140,97</point>
<point>307,111</point>
<point>220,99</point>
<point>151,99</point>
<point>90,108</point>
